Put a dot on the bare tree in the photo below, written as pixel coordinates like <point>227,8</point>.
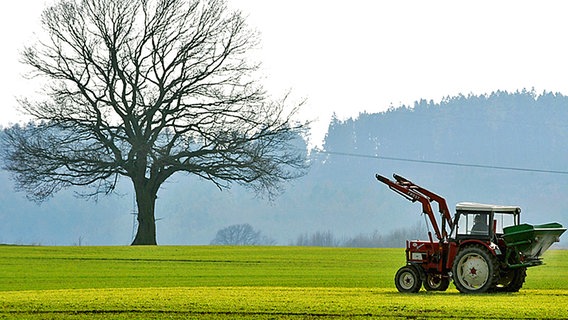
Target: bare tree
<point>144,89</point>
<point>241,234</point>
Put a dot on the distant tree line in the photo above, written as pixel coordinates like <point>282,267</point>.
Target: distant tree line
<point>245,234</point>
<point>394,239</point>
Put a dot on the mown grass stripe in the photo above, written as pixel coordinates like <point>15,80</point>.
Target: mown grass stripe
<point>274,301</point>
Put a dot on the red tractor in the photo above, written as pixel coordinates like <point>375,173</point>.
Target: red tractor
<point>483,248</point>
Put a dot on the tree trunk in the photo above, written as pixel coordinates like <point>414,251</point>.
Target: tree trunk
<point>146,201</point>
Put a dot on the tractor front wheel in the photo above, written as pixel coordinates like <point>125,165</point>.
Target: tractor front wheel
<point>407,280</point>
<point>475,270</point>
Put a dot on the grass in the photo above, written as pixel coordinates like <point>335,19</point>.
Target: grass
<point>248,283</point>
<point>137,267</point>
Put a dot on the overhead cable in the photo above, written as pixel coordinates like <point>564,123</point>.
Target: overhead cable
<point>445,163</point>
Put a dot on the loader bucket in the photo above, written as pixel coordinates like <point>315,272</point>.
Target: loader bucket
<point>532,240</point>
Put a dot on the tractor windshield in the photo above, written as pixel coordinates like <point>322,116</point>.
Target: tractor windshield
<point>473,223</point>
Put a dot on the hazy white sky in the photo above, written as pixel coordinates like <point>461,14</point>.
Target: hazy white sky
<point>365,55</point>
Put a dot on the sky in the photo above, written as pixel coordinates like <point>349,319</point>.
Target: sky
<point>347,57</point>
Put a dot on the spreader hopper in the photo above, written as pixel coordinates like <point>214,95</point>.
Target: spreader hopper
<point>531,241</point>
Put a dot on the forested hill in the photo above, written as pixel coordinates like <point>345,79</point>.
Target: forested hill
<point>475,137</point>
<point>519,129</point>
<point>502,148</point>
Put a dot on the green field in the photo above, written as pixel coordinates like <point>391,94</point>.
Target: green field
<point>248,283</point>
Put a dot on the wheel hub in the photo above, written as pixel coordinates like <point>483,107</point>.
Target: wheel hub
<point>407,280</point>
<point>474,271</point>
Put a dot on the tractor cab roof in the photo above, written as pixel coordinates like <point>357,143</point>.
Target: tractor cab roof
<point>472,206</point>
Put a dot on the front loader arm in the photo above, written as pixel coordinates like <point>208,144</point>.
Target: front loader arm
<point>413,192</point>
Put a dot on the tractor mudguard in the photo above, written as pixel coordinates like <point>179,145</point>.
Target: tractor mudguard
<point>421,272</point>
<point>492,247</point>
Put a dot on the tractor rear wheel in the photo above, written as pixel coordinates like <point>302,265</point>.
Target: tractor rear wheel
<point>407,280</point>
<point>513,280</point>
<point>435,282</point>
<point>475,270</point>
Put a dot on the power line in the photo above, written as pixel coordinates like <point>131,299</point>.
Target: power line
<point>445,163</point>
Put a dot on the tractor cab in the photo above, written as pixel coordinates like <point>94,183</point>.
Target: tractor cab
<point>483,221</point>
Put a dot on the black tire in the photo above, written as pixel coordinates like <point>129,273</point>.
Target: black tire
<point>512,281</point>
<point>475,270</point>
<point>435,282</point>
<point>407,280</point>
